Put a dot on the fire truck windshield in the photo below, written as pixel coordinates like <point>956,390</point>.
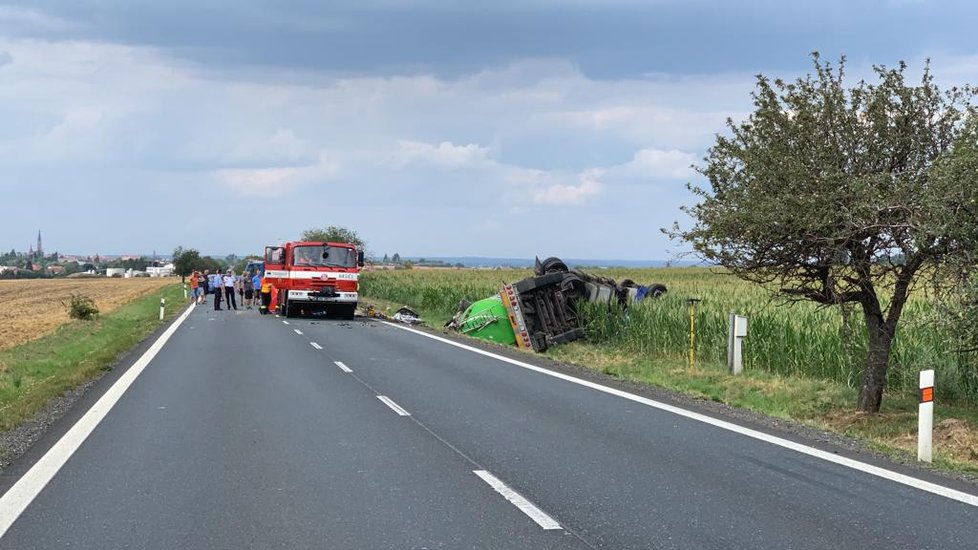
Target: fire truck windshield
<point>324,256</point>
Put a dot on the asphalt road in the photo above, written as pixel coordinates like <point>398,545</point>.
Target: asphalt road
<point>242,433</point>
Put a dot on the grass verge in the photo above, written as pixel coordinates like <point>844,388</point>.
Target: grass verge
<point>822,404</point>
<point>32,374</point>
<point>819,403</point>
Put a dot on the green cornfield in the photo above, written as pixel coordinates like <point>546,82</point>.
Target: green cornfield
<point>793,339</point>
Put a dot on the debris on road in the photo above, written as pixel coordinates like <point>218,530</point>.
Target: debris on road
<point>541,311</point>
<point>407,316</point>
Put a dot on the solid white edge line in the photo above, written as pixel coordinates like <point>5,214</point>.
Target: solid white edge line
<point>342,367</point>
<point>18,498</point>
<point>877,471</point>
<point>284,321</point>
<point>525,506</point>
<point>297,331</point>
<point>394,406</point>
<point>315,345</point>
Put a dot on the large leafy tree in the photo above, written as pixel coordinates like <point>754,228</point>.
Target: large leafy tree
<point>185,261</point>
<point>335,234</point>
<point>830,193</point>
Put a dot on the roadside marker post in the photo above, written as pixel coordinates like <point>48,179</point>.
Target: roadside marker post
<point>925,416</point>
<point>162,307</point>
<point>735,343</point>
<point>185,292</point>
<point>692,332</point>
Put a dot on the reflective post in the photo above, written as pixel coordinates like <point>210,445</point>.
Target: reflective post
<point>925,416</point>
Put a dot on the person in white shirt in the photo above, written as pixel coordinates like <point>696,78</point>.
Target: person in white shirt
<point>229,280</point>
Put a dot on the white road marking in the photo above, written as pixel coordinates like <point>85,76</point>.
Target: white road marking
<point>18,498</point>
<point>342,367</point>
<point>525,506</point>
<point>394,406</point>
<point>877,471</point>
<point>315,345</point>
<point>284,321</point>
<point>297,331</point>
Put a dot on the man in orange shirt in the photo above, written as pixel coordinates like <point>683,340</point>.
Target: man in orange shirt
<point>194,288</point>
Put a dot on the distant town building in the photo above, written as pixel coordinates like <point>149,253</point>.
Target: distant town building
<point>164,271</point>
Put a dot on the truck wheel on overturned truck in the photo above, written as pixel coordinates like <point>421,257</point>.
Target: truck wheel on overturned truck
<point>553,265</point>
<point>656,290</point>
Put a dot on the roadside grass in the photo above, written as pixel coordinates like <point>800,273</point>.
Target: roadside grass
<point>822,404</point>
<point>802,363</point>
<point>32,374</point>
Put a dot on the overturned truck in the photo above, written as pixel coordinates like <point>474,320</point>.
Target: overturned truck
<point>542,311</point>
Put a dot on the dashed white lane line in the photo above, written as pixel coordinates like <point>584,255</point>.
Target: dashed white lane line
<point>525,506</point>
<point>315,345</point>
<point>394,406</point>
<point>18,497</point>
<point>342,367</point>
<point>297,331</point>
<point>286,322</point>
<point>827,456</point>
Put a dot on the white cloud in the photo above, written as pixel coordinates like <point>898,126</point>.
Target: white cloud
<point>561,194</point>
<point>276,181</point>
<point>5,58</point>
<point>258,181</point>
<point>444,156</point>
<point>654,163</point>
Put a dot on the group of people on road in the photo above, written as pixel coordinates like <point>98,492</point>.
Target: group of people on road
<point>225,287</point>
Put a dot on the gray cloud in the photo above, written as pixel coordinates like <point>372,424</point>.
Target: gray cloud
<point>5,58</point>
<point>606,40</point>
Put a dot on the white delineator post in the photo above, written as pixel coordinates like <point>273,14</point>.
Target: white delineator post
<point>925,416</point>
<point>735,343</point>
<point>185,292</point>
<point>162,307</point>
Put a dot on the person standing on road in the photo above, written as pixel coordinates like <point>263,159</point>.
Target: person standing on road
<point>202,288</point>
<point>194,288</point>
<point>249,289</point>
<point>229,290</point>
<point>266,296</point>
<point>218,286</point>
<point>205,285</point>
<point>256,287</point>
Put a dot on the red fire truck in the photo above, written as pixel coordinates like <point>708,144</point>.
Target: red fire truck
<point>314,277</point>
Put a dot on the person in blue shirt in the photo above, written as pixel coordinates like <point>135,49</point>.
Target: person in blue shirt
<point>217,287</point>
<point>255,289</point>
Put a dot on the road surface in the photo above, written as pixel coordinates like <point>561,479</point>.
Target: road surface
<point>252,432</point>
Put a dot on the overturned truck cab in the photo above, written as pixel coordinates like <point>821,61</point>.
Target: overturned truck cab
<point>541,311</point>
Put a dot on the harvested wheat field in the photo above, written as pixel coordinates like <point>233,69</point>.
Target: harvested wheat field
<point>30,309</point>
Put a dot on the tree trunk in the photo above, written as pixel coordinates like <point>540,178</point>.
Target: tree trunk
<point>877,361</point>
<point>881,333</point>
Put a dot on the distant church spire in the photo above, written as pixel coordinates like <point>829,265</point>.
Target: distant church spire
<point>40,249</point>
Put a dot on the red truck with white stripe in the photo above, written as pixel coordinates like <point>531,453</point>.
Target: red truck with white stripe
<point>314,277</point>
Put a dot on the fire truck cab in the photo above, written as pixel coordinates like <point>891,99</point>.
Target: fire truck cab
<point>310,278</point>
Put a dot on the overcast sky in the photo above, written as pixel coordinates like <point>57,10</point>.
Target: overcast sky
<point>434,128</point>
